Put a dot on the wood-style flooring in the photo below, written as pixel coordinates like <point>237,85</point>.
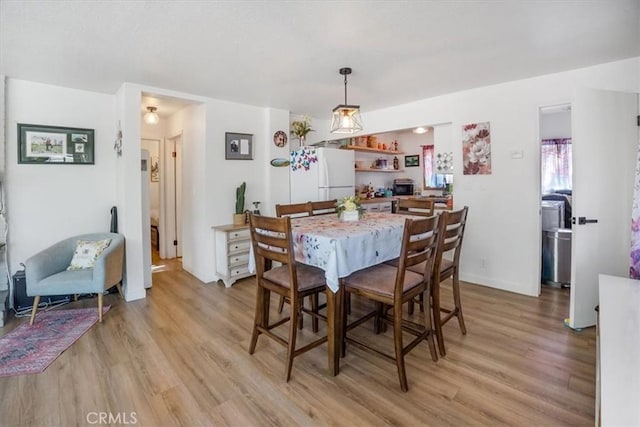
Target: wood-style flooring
<point>180,357</point>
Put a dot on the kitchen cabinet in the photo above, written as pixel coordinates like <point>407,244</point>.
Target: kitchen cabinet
<point>232,252</point>
<point>373,206</point>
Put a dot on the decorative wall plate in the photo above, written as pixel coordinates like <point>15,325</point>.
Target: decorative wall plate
<point>279,163</point>
<point>280,138</point>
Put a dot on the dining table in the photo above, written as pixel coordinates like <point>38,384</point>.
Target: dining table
<point>341,248</point>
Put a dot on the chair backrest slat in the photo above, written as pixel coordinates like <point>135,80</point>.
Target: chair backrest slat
<point>271,239</point>
<point>294,209</point>
<point>421,207</point>
<point>419,244</point>
<point>451,228</point>
<point>323,207</point>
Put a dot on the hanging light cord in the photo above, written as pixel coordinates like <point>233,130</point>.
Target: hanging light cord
<point>345,90</point>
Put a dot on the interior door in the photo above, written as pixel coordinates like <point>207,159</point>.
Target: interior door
<point>605,143</point>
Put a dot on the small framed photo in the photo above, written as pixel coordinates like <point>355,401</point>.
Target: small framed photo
<point>42,144</point>
<point>411,161</point>
<point>238,146</point>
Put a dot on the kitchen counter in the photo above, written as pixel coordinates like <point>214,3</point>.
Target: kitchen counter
<point>619,361</point>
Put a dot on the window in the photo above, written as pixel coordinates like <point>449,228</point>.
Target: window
<point>428,173</point>
<point>556,170</point>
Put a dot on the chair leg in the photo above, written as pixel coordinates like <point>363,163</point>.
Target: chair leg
<point>314,308</point>
<point>36,301</point>
<point>261,315</point>
<point>347,302</point>
<point>119,286</point>
<point>293,333</point>
<point>100,301</point>
<point>397,339</point>
<point>437,320</point>
<point>458,302</point>
<point>428,324</point>
<point>410,308</point>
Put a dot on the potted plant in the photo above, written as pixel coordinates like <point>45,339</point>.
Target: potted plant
<point>239,216</point>
<point>300,128</point>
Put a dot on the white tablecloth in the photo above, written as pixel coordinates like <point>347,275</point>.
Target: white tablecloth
<point>340,248</point>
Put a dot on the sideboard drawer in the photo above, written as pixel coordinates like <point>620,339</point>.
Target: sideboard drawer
<point>239,235</point>
<point>239,271</point>
<point>240,246</point>
<point>238,259</point>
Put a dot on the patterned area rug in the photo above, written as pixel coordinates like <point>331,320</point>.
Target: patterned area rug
<point>31,349</point>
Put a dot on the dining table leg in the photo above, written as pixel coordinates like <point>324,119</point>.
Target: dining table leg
<point>334,329</point>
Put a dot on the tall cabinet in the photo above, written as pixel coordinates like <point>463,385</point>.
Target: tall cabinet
<point>232,252</point>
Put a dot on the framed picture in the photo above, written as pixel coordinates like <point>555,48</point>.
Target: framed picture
<point>411,161</point>
<point>41,144</point>
<point>238,146</point>
<point>155,169</point>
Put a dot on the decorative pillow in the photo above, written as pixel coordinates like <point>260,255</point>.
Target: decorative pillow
<point>87,252</point>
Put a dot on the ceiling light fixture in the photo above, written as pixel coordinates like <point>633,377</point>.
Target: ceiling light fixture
<point>346,118</point>
<point>151,117</point>
<point>420,130</point>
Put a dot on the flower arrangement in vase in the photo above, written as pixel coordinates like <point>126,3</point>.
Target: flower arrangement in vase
<point>349,208</point>
<point>300,128</point>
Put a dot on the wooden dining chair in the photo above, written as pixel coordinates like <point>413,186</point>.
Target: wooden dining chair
<point>293,210</point>
<point>421,207</point>
<point>324,207</point>
<point>271,240</point>
<point>392,287</point>
<point>451,229</point>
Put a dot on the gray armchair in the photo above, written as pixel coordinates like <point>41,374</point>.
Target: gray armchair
<point>47,274</point>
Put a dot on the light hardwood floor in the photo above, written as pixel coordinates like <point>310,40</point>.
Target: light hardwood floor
<point>180,357</point>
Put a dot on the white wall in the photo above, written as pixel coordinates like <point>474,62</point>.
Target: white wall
<point>502,239</point>
<point>47,203</point>
<point>555,125</point>
<point>501,246</point>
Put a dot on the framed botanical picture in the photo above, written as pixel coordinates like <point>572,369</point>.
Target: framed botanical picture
<point>238,146</point>
<point>411,161</point>
<point>42,144</point>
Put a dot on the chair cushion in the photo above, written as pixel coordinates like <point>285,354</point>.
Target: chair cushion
<point>308,277</point>
<point>381,279</point>
<point>66,282</point>
<point>87,251</point>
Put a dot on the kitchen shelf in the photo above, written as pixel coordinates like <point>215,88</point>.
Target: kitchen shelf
<point>370,150</point>
<point>379,170</point>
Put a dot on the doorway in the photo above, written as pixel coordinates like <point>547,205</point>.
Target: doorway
<point>556,188</point>
<point>171,199</point>
<point>152,145</point>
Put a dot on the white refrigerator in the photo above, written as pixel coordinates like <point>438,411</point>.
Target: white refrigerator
<point>321,174</point>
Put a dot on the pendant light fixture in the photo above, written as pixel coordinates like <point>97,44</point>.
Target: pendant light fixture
<point>346,118</point>
<point>151,117</point>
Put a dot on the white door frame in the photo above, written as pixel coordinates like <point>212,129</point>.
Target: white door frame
<point>170,197</point>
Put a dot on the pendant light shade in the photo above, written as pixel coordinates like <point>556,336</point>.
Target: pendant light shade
<point>346,118</point>
<point>151,117</point>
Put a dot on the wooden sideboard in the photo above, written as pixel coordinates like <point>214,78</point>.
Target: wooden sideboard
<point>232,252</point>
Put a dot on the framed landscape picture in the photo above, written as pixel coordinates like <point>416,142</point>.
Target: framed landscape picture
<point>411,161</point>
<point>42,144</point>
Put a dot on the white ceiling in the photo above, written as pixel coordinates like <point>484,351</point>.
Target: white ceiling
<point>286,54</point>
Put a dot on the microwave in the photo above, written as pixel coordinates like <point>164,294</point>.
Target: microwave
<point>404,189</point>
